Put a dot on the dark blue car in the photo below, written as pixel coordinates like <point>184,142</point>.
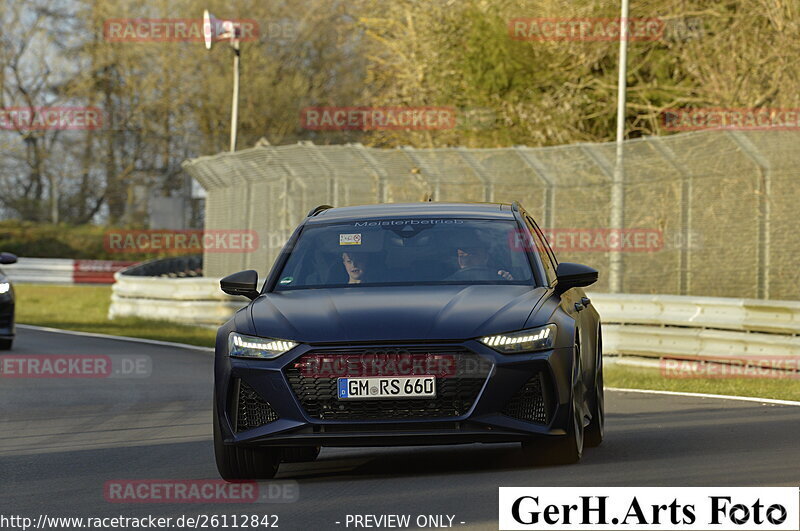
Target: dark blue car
<point>409,324</point>
<point>6,304</point>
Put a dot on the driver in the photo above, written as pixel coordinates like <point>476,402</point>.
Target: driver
<point>473,263</point>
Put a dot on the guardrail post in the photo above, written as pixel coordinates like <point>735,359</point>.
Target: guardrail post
<point>764,190</point>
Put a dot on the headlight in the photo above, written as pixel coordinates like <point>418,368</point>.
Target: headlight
<point>530,340</point>
<point>4,287</point>
<point>241,346</point>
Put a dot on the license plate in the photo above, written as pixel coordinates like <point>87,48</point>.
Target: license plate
<point>387,387</point>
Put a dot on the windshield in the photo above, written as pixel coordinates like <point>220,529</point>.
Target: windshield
<point>406,251</point>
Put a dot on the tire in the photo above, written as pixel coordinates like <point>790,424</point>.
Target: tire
<point>240,462</point>
<point>568,449</point>
<point>300,454</point>
<point>596,428</point>
<point>5,344</point>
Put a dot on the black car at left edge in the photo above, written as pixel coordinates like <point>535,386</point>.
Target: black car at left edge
<point>409,324</point>
<point>6,304</point>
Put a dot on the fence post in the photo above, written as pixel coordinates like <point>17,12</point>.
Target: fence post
<point>686,211</point>
<point>333,183</point>
<point>616,174</point>
<point>764,190</point>
<point>239,189</point>
<point>412,154</point>
<point>549,203</point>
<point>380,172</point>
<point>480,171</point>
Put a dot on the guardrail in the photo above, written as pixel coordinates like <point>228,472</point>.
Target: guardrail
<point>713,327</point>
<point>642,325</point>
<point>63,271</point>
<point>748,315</point>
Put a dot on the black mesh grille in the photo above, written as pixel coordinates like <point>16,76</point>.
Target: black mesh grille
<point>455,392</point>
<point>251,410</point>
<point>529,402</point>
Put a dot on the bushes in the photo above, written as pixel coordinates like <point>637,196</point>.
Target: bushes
<point>40,240</point>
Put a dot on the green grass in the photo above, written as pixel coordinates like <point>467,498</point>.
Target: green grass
<point>650,378</point>
<point>85,308</point>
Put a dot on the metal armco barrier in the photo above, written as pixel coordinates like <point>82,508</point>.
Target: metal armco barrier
<point>641,325</point>
<point>97,271</point>
<point>63,271</point>
<point>670,325</point>
<point>658,342</point>
<point>41,270</point>
<point>749,315</point>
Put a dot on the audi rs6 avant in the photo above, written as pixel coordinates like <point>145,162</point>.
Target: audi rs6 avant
<point>409,324</point>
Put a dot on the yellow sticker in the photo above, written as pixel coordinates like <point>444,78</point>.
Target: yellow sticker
<point>350,239</point>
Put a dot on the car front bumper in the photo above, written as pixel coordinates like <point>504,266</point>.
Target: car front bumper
<point>295,420</point>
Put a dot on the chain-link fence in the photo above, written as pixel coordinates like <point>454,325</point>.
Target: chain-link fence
<point>708,213</point>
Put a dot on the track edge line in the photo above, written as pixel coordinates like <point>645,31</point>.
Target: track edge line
<point>119,338</point>
<point>707,395</point>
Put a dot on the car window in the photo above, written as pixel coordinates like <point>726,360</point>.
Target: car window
<point>543,250</point>
<point>405,251</point>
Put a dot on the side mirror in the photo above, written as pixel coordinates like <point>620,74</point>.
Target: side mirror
<point>571,275</point>
<point>243,283</point>
<point>8,258</point>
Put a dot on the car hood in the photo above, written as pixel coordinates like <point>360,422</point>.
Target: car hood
<point>393,313</point>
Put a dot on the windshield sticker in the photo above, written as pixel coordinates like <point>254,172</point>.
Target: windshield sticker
<point>408,222</point>
<point>286,280</point>
<point>350,239</point>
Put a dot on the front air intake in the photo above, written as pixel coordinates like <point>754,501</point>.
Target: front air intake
<point>529,403</point>
<point>250,410</point>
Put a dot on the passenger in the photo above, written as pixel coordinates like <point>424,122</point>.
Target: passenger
<point>356,266</point>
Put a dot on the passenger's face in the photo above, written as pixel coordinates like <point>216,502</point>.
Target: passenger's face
<point>354,267</point>
<point>472,257</point>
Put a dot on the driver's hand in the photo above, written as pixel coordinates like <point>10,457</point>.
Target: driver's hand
<point>505,274</point>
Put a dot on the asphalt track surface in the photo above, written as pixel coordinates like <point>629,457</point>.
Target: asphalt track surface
<point>63,439</point>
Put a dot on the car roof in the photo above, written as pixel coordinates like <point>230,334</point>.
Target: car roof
<point>423,209</point>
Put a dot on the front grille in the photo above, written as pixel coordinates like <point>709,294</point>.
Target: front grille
<point>252,411</point>
<point>456,390</point>
<point>529,402</point>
